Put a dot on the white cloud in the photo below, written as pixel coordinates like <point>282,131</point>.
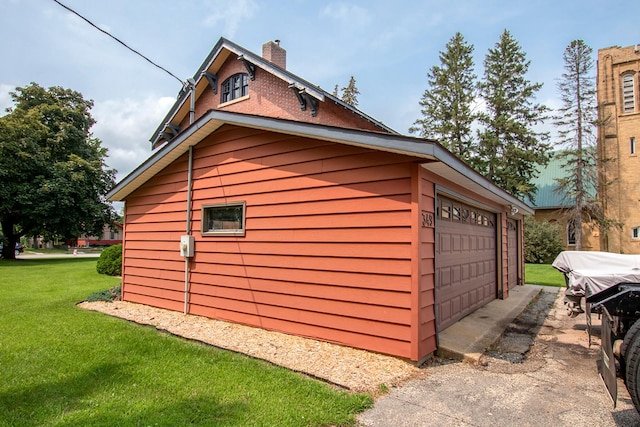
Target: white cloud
<point>125,125</point>
<point>348,14</point>
<point>229,14</point>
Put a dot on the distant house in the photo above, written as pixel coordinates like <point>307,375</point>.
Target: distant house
<point>111,235</point>
<point>270,202</point>
<point>551,205</point>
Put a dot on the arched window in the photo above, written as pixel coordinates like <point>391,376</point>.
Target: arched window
<point>628,93</point>
<point>235,87</point>
<point>571,233</point>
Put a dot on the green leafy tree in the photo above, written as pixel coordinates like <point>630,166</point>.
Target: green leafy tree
<point>447,113</point>
<point>350,93</point>
<point>576,124</point>
<point>509,150</point>
<point>542,241</point>
<point>53,176</point>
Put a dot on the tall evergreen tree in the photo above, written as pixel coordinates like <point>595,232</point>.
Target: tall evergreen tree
<point>576,124</point>
<point>509,149</point>
<point>447,113</point>
<point>350,93</point>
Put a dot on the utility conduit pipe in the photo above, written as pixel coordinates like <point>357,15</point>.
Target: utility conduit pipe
<point>189,179</point>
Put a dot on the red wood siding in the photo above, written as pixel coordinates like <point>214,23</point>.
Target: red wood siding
<point>328,246</point>
<point>426,232</point>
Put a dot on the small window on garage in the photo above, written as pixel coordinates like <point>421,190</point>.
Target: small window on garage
<point>635,233</point>
<point>225,219</point>
<point>465,215</point>
<point>474,217</point>
<point>456,213</point>
<point>445,211</point>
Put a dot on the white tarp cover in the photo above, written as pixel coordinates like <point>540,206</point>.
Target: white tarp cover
<point>596,271</point>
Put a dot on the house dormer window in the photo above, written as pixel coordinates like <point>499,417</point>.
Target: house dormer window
<point>235,87</point>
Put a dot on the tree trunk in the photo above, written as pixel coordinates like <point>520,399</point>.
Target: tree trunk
<point>9,248</point>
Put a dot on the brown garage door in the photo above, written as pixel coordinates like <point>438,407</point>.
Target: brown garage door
<point>465,260</point>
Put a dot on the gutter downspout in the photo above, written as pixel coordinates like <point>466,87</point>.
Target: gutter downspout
<point>192,113</point>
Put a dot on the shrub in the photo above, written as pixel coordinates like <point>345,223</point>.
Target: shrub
<point>542,241</point>
<point>110,261</point>
<point>109,295</point>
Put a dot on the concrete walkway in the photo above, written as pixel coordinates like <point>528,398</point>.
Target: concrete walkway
<point>469,338</point>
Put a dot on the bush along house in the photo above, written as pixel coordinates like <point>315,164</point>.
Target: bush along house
<point>272,203</point>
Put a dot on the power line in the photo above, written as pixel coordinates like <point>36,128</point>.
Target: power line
<point>120,41</point>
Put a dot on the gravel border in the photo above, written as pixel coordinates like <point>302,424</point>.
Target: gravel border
<point>350,368</point>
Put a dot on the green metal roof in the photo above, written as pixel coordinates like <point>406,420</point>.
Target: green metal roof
<point>547,195</point>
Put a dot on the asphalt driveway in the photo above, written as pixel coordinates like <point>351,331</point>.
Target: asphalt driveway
<point>547,379</point>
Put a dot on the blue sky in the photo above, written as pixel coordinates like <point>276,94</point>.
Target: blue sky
<point>387,45</point>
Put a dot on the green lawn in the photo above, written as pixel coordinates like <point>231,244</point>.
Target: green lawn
<point>61,365</point>
<point>543,274</point>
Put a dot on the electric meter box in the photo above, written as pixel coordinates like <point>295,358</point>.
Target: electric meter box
<point>186,246</point>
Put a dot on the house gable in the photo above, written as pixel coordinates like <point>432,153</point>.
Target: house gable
<point>272,92</point>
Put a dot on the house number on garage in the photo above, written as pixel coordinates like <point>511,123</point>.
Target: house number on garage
<point>427,219</point>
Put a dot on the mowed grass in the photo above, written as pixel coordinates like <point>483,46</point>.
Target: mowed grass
<point>61,365</point>
<point>543,274</point>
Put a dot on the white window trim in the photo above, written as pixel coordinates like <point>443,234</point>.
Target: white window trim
<point>635,231</point>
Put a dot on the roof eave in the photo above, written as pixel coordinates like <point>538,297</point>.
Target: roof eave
<point>433,153</point>
<point>455,170</point>
<point>216,118</point>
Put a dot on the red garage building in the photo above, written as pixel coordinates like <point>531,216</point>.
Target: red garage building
<point>275,204</point>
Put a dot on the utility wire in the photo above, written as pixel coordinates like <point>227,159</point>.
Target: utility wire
<point>120,41</point>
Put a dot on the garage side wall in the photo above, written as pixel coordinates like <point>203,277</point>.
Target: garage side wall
<point>327,248</point>
<point>427,342</point>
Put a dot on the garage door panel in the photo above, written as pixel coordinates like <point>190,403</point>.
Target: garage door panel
<point>444,276</point>
<point>466,268</point>
<point>465,260</point>
<point>444,241</point>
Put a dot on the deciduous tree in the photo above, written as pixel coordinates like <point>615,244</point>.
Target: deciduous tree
<point>53,175</point>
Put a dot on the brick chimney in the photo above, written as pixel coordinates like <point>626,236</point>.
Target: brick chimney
<point>272,52</point>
